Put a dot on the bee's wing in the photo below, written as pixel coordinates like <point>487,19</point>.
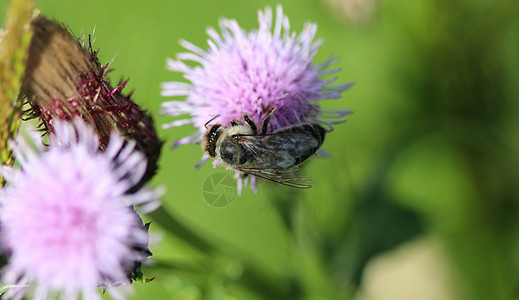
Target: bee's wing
<point>273,158</point>
<point>287,177</point>
<point>281,150</point>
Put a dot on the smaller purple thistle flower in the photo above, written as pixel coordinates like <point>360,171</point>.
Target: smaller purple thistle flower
<point>66,217</point>
<point>249,73</point>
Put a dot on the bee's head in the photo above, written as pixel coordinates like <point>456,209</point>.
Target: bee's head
<point>210,138</point>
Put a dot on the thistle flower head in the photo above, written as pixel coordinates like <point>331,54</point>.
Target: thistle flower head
<point>64,79</point>
<point>250,72</point>
<point>66,220</point>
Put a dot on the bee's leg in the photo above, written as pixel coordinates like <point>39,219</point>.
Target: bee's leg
<point>251,124</point>
<point>236,122</point>
<point>265,124</point>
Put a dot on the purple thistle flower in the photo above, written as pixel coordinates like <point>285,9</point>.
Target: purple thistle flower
<point>250,72</point>
<point>66,219</point>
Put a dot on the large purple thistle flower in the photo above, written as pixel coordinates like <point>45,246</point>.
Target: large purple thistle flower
<point>250,72</point>
<point>66,220</point>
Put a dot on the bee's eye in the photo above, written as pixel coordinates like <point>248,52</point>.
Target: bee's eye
<point>212,137</point>
<point>213,133</point>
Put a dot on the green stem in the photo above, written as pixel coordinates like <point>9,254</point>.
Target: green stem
<point>13,55</point>
<point>252,278</point>
<point>171,224</point>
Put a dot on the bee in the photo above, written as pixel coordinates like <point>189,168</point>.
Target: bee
<point>276,156</point>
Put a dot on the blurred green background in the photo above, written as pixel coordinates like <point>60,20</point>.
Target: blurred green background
<point>419,199</point>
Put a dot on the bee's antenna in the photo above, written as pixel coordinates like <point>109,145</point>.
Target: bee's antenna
<point>210,121</point>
